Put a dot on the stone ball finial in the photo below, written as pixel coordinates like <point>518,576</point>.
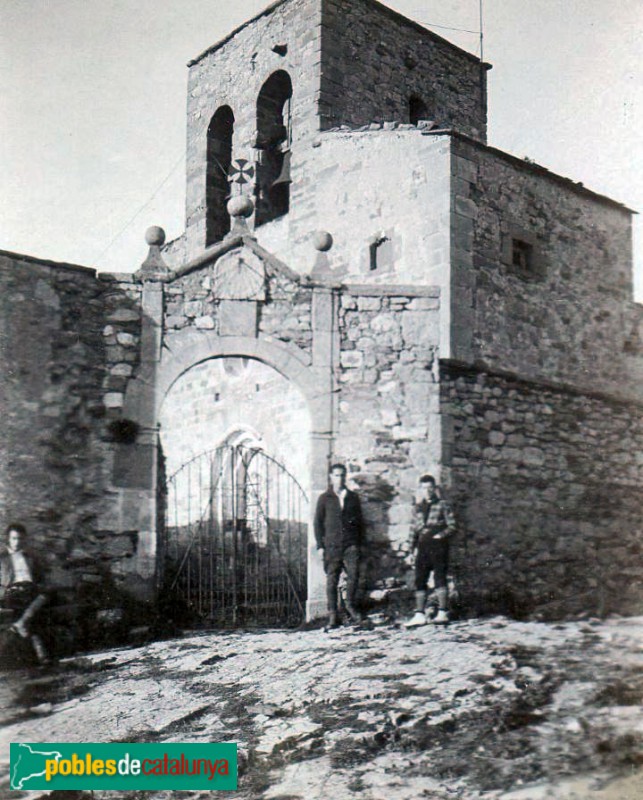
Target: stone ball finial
<point>240,206</point>
<point>323,241</point>
<point>155,236</point>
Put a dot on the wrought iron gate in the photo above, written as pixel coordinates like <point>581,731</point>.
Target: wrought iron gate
<point>235,544</point>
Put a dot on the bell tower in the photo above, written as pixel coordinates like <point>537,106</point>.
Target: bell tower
<point>264,94</point>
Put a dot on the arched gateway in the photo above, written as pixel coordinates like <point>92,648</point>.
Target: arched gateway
<point>235,305</point>
<point>235,436</point>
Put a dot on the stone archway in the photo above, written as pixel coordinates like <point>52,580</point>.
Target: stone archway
<point>234,546</point>
<point>235,301</point>
<point>189,348</point>
<point>181,351</point>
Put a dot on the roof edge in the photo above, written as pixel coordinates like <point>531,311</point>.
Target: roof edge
<point>266,11</point>
<point>391,12</point>
<point>551,385</point>
<point>46,262</point>
<point>534,168</point>
<point>380,6</point>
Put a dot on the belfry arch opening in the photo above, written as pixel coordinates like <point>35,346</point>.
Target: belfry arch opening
<point>219,159</point>
<point>273,144</point>
<point>235,437</point>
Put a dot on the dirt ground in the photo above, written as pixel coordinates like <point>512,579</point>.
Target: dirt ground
<point>480,710</point>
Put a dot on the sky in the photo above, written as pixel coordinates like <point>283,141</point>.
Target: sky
<point>93,96</point>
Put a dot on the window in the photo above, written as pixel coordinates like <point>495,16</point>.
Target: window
<point>522,255</point>
<point>274,136</point>
<point>219,158</point>
<point>380,253</point>
<point>417,109</point>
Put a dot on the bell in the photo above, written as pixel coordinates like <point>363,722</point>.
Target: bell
<point>284,174</point>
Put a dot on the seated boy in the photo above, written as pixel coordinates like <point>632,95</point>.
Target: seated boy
<point>18,589</point>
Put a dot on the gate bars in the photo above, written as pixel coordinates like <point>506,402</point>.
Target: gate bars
<point>235,539</point>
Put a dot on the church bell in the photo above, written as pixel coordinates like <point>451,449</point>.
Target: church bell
<point>284,173</point>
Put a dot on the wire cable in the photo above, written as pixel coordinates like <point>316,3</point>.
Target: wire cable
<point>142,208</point>
<point>447,28</point>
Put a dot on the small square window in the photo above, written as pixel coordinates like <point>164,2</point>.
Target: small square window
<point>523,256</point>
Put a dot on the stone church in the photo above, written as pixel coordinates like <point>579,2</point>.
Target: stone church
<point>362,279</point>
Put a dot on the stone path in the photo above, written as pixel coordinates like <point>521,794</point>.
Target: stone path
<point>491,709</point>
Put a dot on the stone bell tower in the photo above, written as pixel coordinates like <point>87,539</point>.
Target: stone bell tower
<point>264,93</point>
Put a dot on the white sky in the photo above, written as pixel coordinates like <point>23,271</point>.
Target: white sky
<point>92,108</point>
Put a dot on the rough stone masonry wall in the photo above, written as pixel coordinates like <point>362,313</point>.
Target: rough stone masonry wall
<point>373,60</point>
<point>388,431</point>
<point>121,337</point>
<point>546,487</point>
<point>232,74</point>
<point>570,320</point>
<point>63,363</point>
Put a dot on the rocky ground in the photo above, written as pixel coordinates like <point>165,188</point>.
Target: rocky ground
<point>481,710</point>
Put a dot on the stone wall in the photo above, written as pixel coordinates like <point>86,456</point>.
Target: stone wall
<point>563,319</point>
<point>121,295</point>
<point>190,301</point>
<point>68,344</point>
<point>389,185</point>
<point>374,59</point>
<point>546,487</point>
<point>388,430</point>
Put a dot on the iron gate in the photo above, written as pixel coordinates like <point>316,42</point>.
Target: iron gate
<point>236,539</point>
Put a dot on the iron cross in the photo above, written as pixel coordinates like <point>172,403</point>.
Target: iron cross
<point>241,171</point>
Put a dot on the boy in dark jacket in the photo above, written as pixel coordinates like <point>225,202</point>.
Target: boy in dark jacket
<point>339,531</point>
<point>19,587</point>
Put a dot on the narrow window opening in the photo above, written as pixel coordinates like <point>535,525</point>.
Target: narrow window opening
<point>219,158</point>
<point>274,138</point>
<point>522,255</point>
<point>418,109</point>
<point>381,253</point>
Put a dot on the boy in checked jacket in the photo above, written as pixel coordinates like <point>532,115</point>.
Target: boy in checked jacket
<point>433,524</point>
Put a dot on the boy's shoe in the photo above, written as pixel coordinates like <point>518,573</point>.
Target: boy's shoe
<point>419,618</point>
<point>441,618</point>
<point>20,628</point>
<point>333,623</point>
<point>354,615</point>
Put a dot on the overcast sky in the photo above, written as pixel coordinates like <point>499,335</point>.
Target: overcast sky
<point>92,108</point>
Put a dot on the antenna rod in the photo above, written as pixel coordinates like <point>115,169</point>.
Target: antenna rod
<point>481,35</point>
<point>482,67</point>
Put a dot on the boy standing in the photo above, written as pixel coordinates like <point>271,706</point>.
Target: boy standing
<point>433,524</point>
<point>339,531</point>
